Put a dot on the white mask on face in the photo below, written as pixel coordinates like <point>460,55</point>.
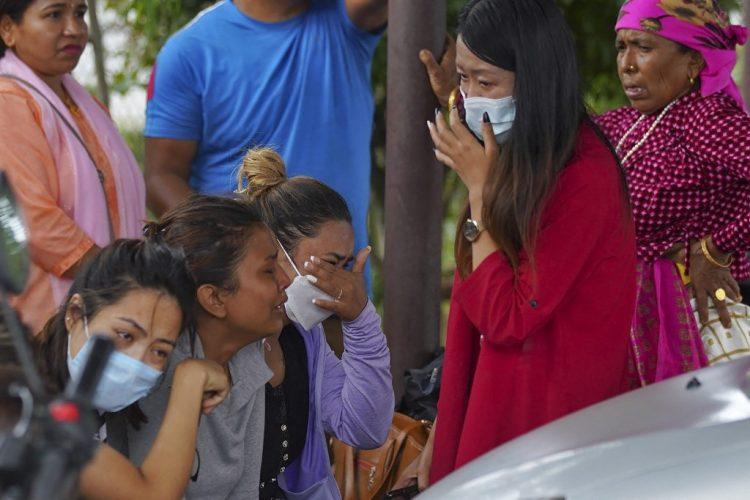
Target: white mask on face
<point>502,113</point>
<point>124,381</point>
<point>300,295</point>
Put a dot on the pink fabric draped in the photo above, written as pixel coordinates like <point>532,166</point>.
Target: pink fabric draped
<point>81,194</point>
<point>701,26</point>
<point>664,335</point>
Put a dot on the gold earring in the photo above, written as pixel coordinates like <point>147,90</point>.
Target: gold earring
<point>692,80</point>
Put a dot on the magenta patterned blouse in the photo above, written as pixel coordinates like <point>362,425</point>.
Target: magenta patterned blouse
<point>691,177</point>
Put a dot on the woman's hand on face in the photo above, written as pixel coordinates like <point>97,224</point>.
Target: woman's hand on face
<point>458,148</point>
<point>442,75</point>
<point>215,381</point>
<point>706,278</point>
<point>346,287</point>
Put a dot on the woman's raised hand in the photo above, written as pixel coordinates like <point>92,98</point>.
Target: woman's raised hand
<point>214,378</point>
<point>346,287</point>
<point>442,75</point>
<point>458,148</point>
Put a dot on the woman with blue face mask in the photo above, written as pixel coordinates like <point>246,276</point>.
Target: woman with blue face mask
<point>544,289</point>
<point>139,295</point>
<point>312,391</point>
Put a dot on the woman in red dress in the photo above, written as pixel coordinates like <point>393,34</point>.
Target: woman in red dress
<point>545,283</point>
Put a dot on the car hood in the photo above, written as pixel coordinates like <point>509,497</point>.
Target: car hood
<point>702,399</point>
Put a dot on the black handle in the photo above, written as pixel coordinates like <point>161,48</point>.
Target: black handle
<point>82,390</point>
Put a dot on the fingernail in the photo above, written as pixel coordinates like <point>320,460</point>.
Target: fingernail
<point>311,278</point>
<point>315,301</point>
<point>429,124</point>
<point>308,265</point>
<point>486,117</point>
<point>437,110</point>
<point>315,259</point>
<point>369,248</point>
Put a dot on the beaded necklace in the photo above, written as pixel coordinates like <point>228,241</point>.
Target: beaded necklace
<point>645,136</point>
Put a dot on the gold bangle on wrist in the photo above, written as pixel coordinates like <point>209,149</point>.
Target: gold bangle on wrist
<point>710,258</point>
<point>451,104</point>
<point>452,98</point>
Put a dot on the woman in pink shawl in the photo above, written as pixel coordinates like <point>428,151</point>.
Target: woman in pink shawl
<point>77,181</point>
<point>684,144</point>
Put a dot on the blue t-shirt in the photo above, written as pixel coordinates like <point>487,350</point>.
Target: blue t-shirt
<point>302,86</point>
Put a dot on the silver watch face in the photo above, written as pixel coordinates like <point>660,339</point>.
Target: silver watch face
<point>470,230</point>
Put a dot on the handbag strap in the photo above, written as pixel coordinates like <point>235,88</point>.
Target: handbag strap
<point>409,425</point>
<point>75,133</point>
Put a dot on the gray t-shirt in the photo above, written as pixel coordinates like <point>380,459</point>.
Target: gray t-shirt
<point>230,439</point>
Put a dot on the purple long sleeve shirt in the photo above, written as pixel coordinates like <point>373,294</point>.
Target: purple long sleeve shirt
<point>350,398</point>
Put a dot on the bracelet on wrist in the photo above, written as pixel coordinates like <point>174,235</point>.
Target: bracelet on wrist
<point>710,258</point>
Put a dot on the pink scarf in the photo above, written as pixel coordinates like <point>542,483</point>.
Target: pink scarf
<point>81,193</point>
<point>698,24</point>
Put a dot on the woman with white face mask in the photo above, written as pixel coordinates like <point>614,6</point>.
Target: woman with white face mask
<point>545,250</point>
<point>313,392</point>
<point>139,295</point>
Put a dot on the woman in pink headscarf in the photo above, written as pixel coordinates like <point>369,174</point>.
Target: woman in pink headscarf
<point>684,144</point>
<point>77,181</point>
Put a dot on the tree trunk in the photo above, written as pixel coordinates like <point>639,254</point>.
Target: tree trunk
<point>99,54</point>
<point>413,189</point>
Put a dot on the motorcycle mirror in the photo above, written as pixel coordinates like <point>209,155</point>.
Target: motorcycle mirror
<point>14,254</point>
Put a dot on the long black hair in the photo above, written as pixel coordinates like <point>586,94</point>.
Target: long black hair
<point>120,268</point>
<point>532,39</point>
<point>14,9</point>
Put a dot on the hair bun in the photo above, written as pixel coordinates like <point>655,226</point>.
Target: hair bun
<point>262,169</point>
<point>151,230</point>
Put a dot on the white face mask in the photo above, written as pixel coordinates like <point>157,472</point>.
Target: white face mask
<point>124,381</point>
<point>300,295</point>
<point>502,113</point>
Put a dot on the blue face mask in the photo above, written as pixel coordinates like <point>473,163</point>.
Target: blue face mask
<point>502,113</point>
<point>125,380</point>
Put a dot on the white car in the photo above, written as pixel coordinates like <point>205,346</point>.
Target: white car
<point>685,438</point>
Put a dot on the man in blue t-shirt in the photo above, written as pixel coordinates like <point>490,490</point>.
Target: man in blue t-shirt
<point>291,74</point>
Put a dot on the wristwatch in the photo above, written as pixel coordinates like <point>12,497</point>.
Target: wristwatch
<point>472,229</point>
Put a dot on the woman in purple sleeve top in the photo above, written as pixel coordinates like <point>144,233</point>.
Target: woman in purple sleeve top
<point>312,391</point>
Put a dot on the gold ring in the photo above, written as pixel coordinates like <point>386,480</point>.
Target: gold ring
<point>341,294</point>
<point>720,294</point>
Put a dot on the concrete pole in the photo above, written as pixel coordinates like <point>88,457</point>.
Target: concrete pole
<point>413,189</point>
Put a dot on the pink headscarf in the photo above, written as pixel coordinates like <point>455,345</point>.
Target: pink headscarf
<point>698,24</point>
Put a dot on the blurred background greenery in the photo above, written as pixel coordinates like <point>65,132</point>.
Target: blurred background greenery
<point>147,24</point>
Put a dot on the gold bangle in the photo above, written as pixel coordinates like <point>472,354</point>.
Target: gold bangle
<point>452,98</point>
<point>710,258</point>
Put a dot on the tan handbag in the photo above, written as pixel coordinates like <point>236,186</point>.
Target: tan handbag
<point>370,474</point>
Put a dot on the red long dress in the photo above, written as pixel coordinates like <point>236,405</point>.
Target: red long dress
<point>519,356</point>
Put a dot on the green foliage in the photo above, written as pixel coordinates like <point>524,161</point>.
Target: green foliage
<point>148,23</point>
